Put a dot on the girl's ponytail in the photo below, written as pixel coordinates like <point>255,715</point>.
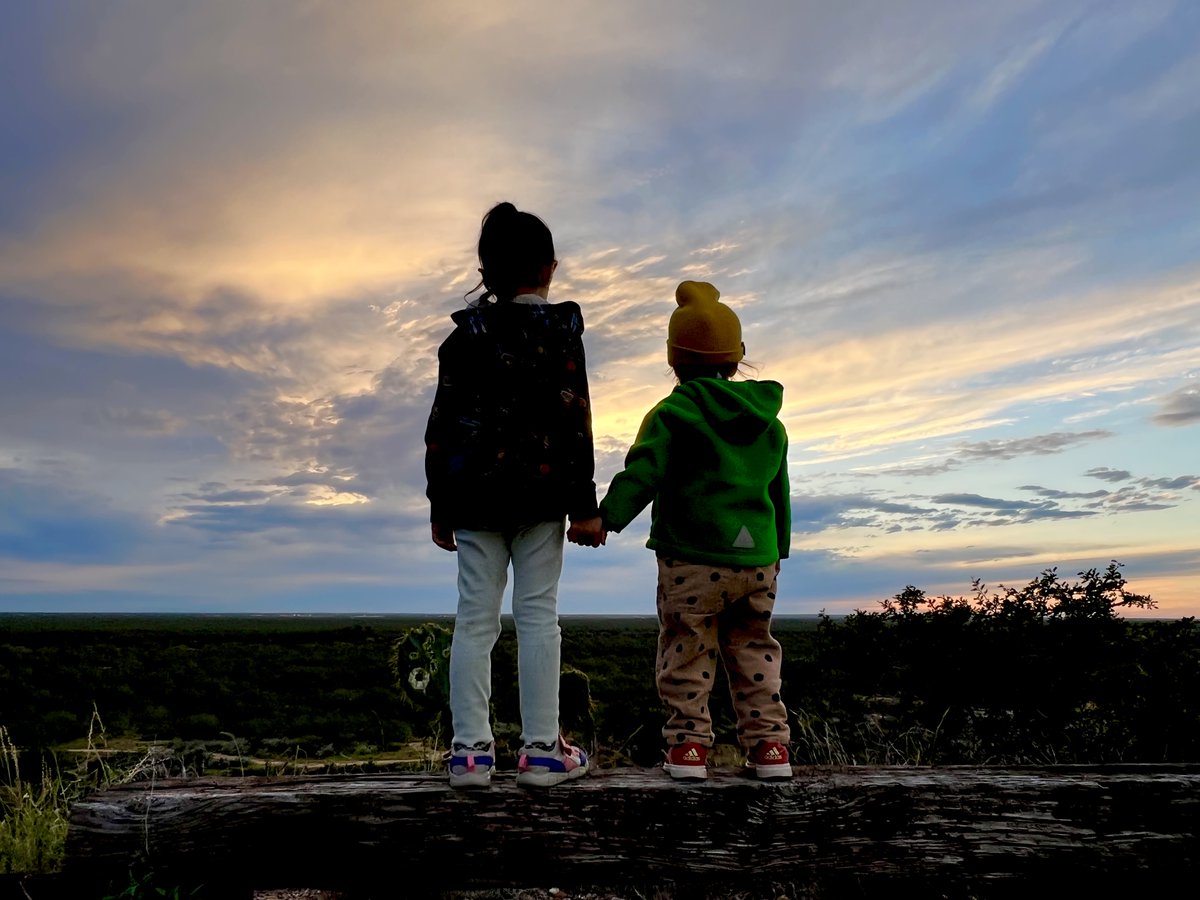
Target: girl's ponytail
<point>514,248</point>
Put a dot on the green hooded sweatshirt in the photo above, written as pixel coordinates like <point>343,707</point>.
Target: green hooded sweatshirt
<point>712,459</point>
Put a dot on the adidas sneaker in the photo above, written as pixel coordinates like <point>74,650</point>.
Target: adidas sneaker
<point>688,760</point>
<point>769,759</point>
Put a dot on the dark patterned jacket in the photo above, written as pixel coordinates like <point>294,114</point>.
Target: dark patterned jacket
<point>509,439</point>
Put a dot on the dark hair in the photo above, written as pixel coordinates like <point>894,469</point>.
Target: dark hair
<point>685,372</point>
<point>514,248</point>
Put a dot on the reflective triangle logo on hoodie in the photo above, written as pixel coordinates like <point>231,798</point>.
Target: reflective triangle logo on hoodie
<point>744,541</point>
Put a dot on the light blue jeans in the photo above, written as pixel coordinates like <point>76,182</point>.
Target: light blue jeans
<point>536,554</point>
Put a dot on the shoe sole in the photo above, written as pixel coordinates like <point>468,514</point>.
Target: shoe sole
<point>686,773</point>
<point>549,779</point>
<point>471,780</point>
<point>779,770</point>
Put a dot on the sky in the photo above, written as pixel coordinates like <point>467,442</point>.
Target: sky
<point>964,236</point>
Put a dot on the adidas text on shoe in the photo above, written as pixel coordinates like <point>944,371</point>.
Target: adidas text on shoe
<point>687,761</point>
<point>770,760</point>
<point>471,767</point>
<point>545,768</point>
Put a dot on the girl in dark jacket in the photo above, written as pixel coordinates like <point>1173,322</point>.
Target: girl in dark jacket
<point>508,459</point>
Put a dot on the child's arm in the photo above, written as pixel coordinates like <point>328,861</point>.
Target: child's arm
<point>581,455</point>
<point>632,489</point>
<point>439,444</point>
<point>781,498</point>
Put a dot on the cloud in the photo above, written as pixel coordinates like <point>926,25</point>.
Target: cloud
<point>1138,499</point>
<point>1106,474</point>
<point>1178,483</point>
<point>1008,72</point>
<point>1180,408</point>
<point>232,238</point>
<point>287,152</point>
<point>939,468</point>
<point>1054,494</point>
<point>44,518</point>
<point>1144,495</point>
<point>1039,445</point>
<point>927,380</point>
<point>815,512</point>
<point>985,502</point>
<point>293,520</point>
<point>220,496</point>
<point>998,449</point>
<point>1053,513</point>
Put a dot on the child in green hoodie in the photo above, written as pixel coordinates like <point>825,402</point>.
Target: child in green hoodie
<point>711,458</point>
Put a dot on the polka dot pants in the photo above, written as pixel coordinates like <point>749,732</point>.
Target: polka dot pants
<point>708,611</point>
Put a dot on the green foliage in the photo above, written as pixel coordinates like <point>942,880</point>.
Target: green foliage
<point>33,816</point>
<point>622,708</point>
<point>577,711</point>
<point>420,664</point>
<point>1045,673</point>
<point>312,682</point>
<point>144,883</point>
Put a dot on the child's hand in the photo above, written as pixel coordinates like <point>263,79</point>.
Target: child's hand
<point>588,533</point>
<point>443,536</point>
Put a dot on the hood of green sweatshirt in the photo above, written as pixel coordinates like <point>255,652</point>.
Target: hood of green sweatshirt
<point>737,411</point>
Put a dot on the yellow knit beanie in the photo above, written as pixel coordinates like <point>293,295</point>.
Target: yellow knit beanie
<point>702,329</point>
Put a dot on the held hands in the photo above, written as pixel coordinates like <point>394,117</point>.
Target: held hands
<point>588,533</point>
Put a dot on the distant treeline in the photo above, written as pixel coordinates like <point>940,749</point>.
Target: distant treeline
<point>1051,672</point>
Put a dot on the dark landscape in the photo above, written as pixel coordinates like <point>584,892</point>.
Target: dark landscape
<point>1050,672</point>
<point>1047,674</point>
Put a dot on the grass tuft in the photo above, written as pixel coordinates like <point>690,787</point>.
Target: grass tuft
<point>34,813</point>
<point>33,816</point>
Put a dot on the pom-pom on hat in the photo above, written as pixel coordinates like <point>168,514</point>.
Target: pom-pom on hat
<point>703,329</point>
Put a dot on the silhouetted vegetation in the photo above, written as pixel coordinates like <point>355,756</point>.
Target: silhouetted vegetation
<point>1046,673</point>
<point>1050,672</point>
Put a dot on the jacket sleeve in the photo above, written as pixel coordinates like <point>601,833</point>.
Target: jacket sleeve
<point>636,486</point>
<point>439,432</point>
<point>781,498</point>
<point>581,499</point>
